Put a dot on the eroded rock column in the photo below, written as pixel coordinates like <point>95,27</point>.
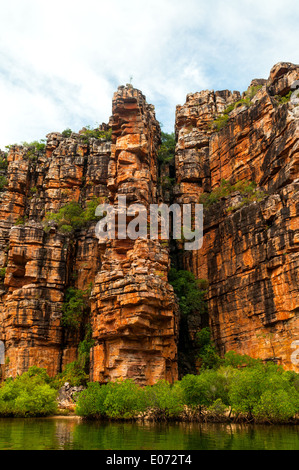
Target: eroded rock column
<point>133,309</point>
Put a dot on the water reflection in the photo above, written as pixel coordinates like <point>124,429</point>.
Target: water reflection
<point>72,433</point>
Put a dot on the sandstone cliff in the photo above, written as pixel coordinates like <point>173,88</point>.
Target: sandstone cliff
<point>250,254</point>
<point>133,306</point>
<point>133,310</point>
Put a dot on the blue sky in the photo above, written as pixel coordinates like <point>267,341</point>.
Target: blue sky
<point>61,61</point>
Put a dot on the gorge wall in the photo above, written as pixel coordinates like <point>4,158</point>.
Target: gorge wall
<point>250,253</point>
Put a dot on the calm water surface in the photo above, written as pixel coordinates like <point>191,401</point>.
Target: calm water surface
<point>73,434</point>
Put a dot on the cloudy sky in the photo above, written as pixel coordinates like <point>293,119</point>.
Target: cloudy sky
<point>61,61</point>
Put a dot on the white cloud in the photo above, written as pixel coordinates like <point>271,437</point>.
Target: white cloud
<point>60,62</point>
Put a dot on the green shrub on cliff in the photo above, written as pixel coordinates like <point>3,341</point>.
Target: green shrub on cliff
<point>167,149</point>
<point>35,146</point>
<point>247,189</point>
<point>88,133</point>
<point>222,120</point>
<point>72,216</point>
<point>205,389</point>
<point>209,358</point>
<point>190,291</point>
<point>3,162</point>
<point>122,399</point>
<point>88,214</point>
<point>67,132</point>
<point>264,392</point>
<point>74,307</point>
<point>29,394</point>
<point>2,273</point>
<point>69,215</point>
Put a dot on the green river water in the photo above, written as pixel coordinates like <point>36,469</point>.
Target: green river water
<point>74,434</point>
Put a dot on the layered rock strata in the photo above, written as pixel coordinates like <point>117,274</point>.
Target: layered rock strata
<point>133,306</point>
<point>250,253</point>
<point>38,265</point>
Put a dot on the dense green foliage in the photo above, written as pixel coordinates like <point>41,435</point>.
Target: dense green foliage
<point>68,217</point>
<point>35,146</point>
<point>205,389</point>
<point>240,388</point>
<point>72,216</point>
<point>124,399</point>
<point>77,372</point>
<point>283,99</point>
<point>208,355</point>
<point>28,395</point>
<point>237,361</point>
<point>167,149</point>
<point>74,307</point>
<point>264,392</point>
<point>246,188</point>
<point>164,401</point>
<point>254,392</point>
<point>190,291</point>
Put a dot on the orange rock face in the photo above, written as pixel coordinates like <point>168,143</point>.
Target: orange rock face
<point>250,253</point>
<point>133,306</point>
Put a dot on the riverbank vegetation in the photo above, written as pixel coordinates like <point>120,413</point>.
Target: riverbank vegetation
<point>237,388</point>
<point>29,394</point>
